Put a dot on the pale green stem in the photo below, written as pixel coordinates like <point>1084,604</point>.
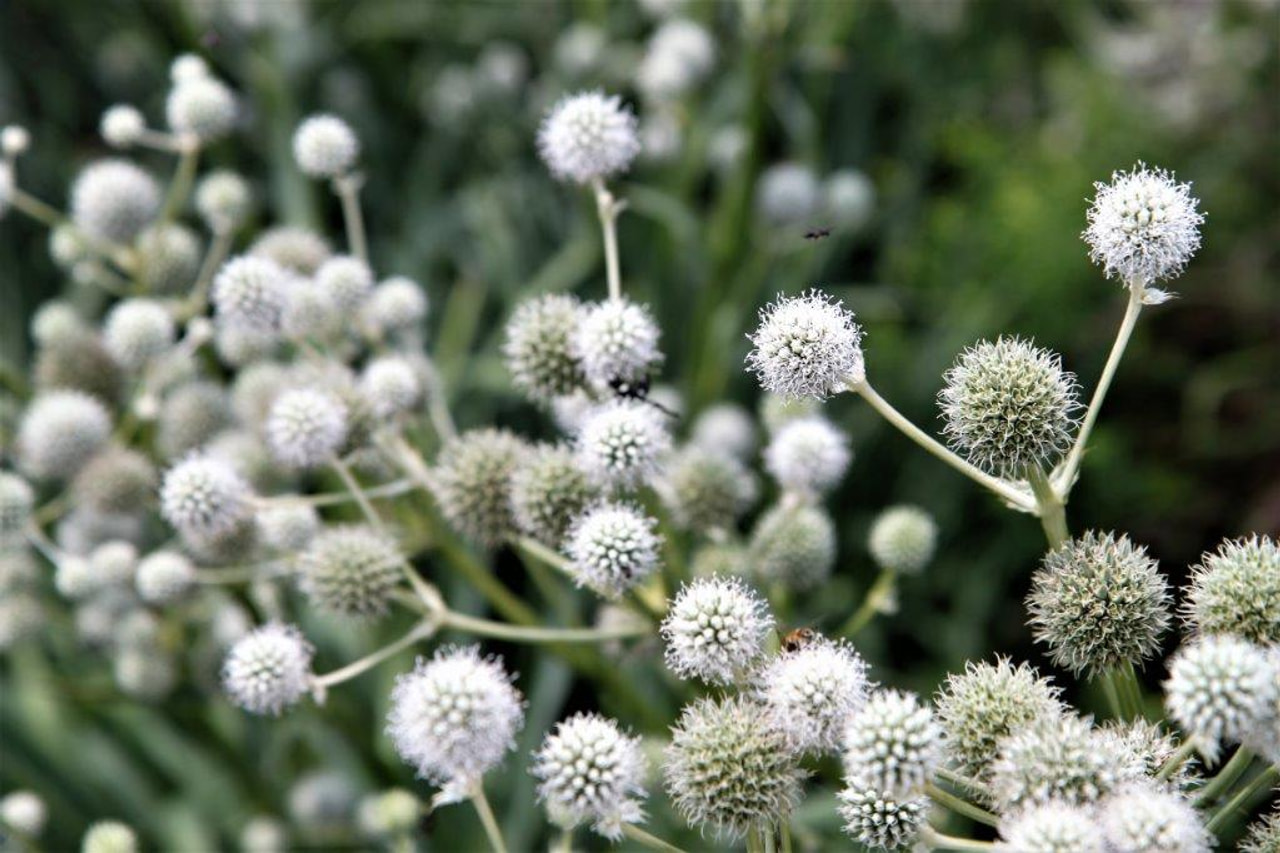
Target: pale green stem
<point>653,842</point>
<point>755,844</point>
<point>1070,468</point>
<point>534,634</point>
<point>785,831</point>
<point>959,805</point>
<point>1231,771</point>
<point>608,209</point>
<point>438,408</point>
<point>558,561</point>
<point>1241,800</point>
<point>218,249</point>
<point>1179,757</point>
<point>233,575</point>
<point>1112,691</point>
<point>564,844</point>
<point>1005,490</point>
<point>183,176</point>
<point>42,543</point>
<point>51,217</point>
<point>348,189</point>
<point>878,596</point>
<point>769,846</point>
<point>386,490</point>
<point>419,632</point>
<point>939,841</point>
<point>1053,516</point>
<point>481,802</point>
<point>1131,690</point>
<point>968,783</point>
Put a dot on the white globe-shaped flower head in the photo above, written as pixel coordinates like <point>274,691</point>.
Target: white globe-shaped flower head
<point>725,428</point>
<point>613,547</point>
<point>350,570</point>
<point>1143,226</point>
<point>205,497</point>
<point>17,499</point>
<point>1053,758</point>
<point>1221,688</point>
<point>268,669</point>
<point>391,386</point>
<point>306,427</point>
<point>715,630</point>
<point>903,539</point>
<point>849,197</point>
<point>59,432</point>
<point>812,692</point>
<point>1263,835</point>
<point>880,820</point>
<point>549,492</point>
<point>473,481</point>
<point>288,526</point>
<point>325,146</point>
<point>808,455</point>
<point>590,771</point>
<point>539,349</point>
<point>454,717</point>
<point>114,200</point>
<point>223,200</point>
<point>202,107</point>
<point>136,331</point>
<point>1236,590</point>
<point>25,812</point>
<point>122,126</point>
<point>622,442</point>
<point>587,137</point>
<point>348,281</point>
<point>299,250</point>
<point>250,291</point>
<point>186,68</point>
<point>15,140</point>
<point>794,545</point>
<point>893,743</point>
<point>1054,827</point>
<point>397,306</point>
<point>109,836</point>
<point>806,346</point>
<point>679,55</point>
<point>164,577</point>
<point>706,489</point>
<point>616,341</point>
<point>390,813</point>
<point>787,193</point>
<point>1144,819</point>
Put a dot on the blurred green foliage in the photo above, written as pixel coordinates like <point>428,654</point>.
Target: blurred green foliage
<point>982,125</point>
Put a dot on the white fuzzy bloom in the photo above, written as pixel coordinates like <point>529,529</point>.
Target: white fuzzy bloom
<point>25,812</point>
<point>613,547</point>
<point>715,630</point>
<point>223,199</point>
<point>306,428</point>
<point>903,539</point>
<point>1221,688</point>
<point>250,291</point>
<point>109,836</point>
<point>164,576</point>
<point>454,717</point>
<point>621,442</point>
<point>122,126</point>
<point>114,200</point>
<point>616,340</point>
<point>288,526</point>
<point>17,499</point>
<point>136,331</point>
<point>14,140</point>
<point>588,770</point>
<point>1143,226</point>
<point>186,68</point>
<point>391,386</point>
<point>679,55</point>
<point>348,281</point>
<point>1054,827</point>
<point>269,669</point>
<point>203,496</point>
<point>59,432</point>
<point>325,146</point>
<point>879,820</point>
<point>309,313</point>
<point>849,198</point>
<point>812,692</point>
<point>806,346</point>
<point>588,136</point>
<point>1142,819</point>
<point>893,743</point>
<point>397,306</point>
<point>787,193</point>
<point>73,578</point>
<point>725,428</point>
<point>808,455</point>
<point>202,107</point>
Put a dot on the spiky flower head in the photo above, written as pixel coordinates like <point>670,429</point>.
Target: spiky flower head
<point>808,456</point>
<point>168,258</point>
<point>622,442</point>
<point>137,330</point>
<point>325,146</point>
<point>60,431</point>
<point>903,539</point>
<point>706,489</point>
<point>1054,827</point>
<point>351,570</point>
<point>397,306</point>
<point>1009,405</point>
<point>346,280</point>
<point>1236,590</point>
<point>25,812</point>
<point>288,526</point>
<point>727,428</point>
<point>812,692</point>
<point>1054,757</point>
<point>223,200</point>
<point>1263,835</point>
<point>250,291</point>
<point>268,669</point>
<point>588,136</point>
<point>1098,601</point>
<point>109,836</point>
<point>1221,688</point>
<point>391,386</point>
<point>1144,819</point>
<point>190,416</point>
<point>16,501</point>
<point>892,743</point>
<point>880,820</point>
<point>806,346</point>
<point>590,771</point>
<point>1143,226</point>
<point>122,126</point>
<point>204,496</point>
<point>613,547</point>
<point>1142,749</point>
<point>114,200</point>
<point>728,768</point>
<point>539,346</point>
<point>549,491</point>
<point>472,483</point>
<point>306,428</point>
<point>164,577</point>
<point>795,545</point>
<point>202,107</point>
<point>715,630</point>
<point>616,341</point>
<point>985,703</point>
<point>294,248</point>
<point>454,717</point>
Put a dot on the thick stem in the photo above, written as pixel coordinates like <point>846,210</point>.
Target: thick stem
<point>1241,800</point>
<point>481,802</point>
<point>1004,489</point>
<point>183,176</point>
<point>564,844</point>
<point>1112,691</point>
<point>348,189</point>
<point>878,596</point>
<point>608,209</point>
<point>653,842</point>
<point>1131,690</point>
<point>959,805</point>
<point>1066,475</point>
<point>1226,777</point>
<point>939,841</point>
<point>218,249</point>
<point>1053,516</point>
<point>421,631</point>
<point>1179,757</point>
<point>535,634</point>
<point>961,781</point>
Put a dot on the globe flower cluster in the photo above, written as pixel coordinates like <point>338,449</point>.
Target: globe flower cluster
<point>806,346</point>
<point>589,770</point>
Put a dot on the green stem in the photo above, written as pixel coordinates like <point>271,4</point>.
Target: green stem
<point>1230,772</point>
<point>1131,690</point>
<point>968,783</point>
<point>419,632</point>
<point>348,189</point>
<point>880,593</point>
<point>543,554</point>
<point>1112,691</point>
<point>387,490</point>
<point>1053,516</point>
<point>51,217</point>
<point>183,176</point>
<point>218,249</point>
<point>536,634</point>
<point>653,842</point>
<point>1179,757</point>
<point>959,805</point>
<point>564,844</point>
<point>939,841</point>
<point>1240,801</point>
<point>785,832</point>
<point>608,208</point>
<point>481,802</point>
<point>755,844</point>
<point>1002,488</point>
